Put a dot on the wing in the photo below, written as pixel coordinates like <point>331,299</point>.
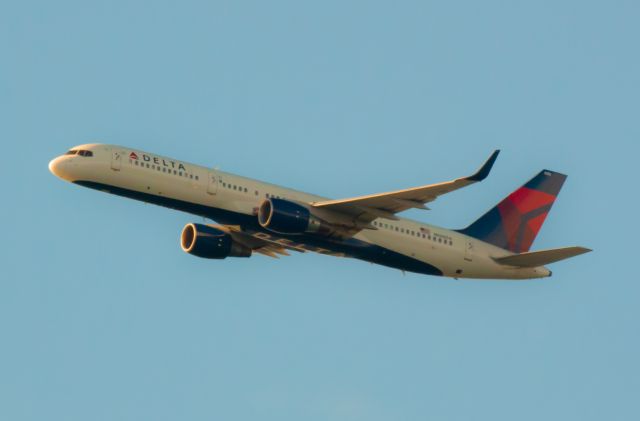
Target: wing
<point>386,205</point>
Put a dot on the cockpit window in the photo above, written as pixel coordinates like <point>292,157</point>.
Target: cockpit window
<point>81,152</point>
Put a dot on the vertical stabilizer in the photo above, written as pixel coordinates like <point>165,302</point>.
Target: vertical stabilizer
<point>514,223</point>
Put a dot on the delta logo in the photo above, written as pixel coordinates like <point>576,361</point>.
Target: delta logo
<point>158,161</point>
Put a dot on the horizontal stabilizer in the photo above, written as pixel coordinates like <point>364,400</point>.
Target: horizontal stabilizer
<point>540,258</point>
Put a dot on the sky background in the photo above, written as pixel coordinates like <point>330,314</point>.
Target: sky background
<point>103,317</point>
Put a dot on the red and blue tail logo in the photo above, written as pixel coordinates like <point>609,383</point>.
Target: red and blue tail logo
<point>515,222</point>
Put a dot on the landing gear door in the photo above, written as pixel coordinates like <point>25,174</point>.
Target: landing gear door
<point>116,160</point>
<point>212,183</point>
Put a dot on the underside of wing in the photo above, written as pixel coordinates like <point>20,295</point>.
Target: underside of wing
<point>386,205</point>
<point>260,245</point>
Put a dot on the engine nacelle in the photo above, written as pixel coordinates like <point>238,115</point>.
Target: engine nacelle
<point>286,217</point>
<point>210,243</point>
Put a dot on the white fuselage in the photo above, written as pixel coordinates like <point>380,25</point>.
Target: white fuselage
<point>115,168</point>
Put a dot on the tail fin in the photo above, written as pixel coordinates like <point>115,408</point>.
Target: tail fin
<point>514,223</point>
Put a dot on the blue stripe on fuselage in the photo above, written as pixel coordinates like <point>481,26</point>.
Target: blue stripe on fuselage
<point>350,247</point>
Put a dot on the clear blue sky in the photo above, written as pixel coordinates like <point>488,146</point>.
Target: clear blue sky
<point>102,317</point>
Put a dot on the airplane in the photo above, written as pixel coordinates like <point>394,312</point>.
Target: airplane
<point>259,217</point>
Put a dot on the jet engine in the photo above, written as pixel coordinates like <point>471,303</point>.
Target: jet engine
<point>286,217</point>
<point>210,243</point>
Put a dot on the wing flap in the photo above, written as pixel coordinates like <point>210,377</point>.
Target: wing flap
<point>542,257</point>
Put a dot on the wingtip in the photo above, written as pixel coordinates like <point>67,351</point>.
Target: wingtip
<point>484,171</point>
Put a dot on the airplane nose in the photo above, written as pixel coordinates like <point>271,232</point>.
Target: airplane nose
<point>57,166</point>
<point>54,166</point>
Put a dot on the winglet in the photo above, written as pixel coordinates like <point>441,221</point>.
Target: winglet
<point>483,172</point>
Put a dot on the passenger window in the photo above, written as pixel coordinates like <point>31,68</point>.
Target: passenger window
<point>196,177</point>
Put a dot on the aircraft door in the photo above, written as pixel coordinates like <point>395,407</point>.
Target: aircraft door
<point>468,250</point>
<point>212,183</point>
<point>116,160</point>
